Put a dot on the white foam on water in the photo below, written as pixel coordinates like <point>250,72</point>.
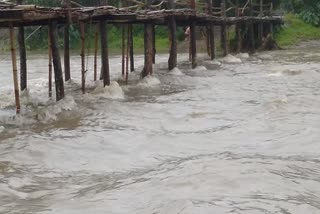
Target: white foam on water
<point>149,82</point>
<point>275,74</point>
<point>2,129</point>
<point>213,62</point>
<point>176,71</point>
<point>243,55</point>
<point>200,68</point>
<point>231,59</point>
<point>114,91</point>
<point>51,112</point>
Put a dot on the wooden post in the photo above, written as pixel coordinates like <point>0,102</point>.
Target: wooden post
<point>95,66</point>
<point>23,55</point>
<point>50,63</point>
<point>83,65</point>
<point>193,43</point>
<point>56,61</point>
<point>127,53</point>
<point>238,30</point>
<point>67,5</point>
<point>123,50</point>
<point>14,70</point>
<point>211,33</point>
<point>154,44</point>
<point>260,25</point>
<point>251,29</point>
<point>172,24</point>
<point>131,48</point>
<point>224,45</point>
<point>104,53</point>
<point>148,50</point>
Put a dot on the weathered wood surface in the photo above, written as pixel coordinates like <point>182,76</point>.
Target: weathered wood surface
<point>34,15</point>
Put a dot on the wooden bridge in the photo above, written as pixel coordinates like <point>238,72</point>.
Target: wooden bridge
<point>253,21</point>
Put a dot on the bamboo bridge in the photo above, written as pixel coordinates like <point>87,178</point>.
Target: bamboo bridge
<point>253,22</point>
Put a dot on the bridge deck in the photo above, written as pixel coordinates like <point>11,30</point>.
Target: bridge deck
<point>30,15</point>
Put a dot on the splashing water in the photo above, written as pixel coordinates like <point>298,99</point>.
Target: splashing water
<point>237,137</point>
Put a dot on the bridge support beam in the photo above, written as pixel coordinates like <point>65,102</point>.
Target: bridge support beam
<point>23,55</point>
<point>58,76</point>
<point>172,25</point>
<point>210,33</point>
<point>148,50</point>
<point>14,69</point>
<point>105,72</point>
<point>224,33</point>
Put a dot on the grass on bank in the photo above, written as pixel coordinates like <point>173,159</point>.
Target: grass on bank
<point>296,30</point>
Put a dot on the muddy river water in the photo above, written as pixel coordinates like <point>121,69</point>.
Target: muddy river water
<point>238,135</point>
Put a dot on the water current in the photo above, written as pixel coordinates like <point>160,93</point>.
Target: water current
<point>237,135</point>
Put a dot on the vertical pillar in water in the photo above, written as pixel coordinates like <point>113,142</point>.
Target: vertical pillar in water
<point>104,53</point>
<point>224,42</point>
<point>14,69</point>
<point>193,43</point>
<point>251,29</point>
<point>238,30</point>
<point>131,48</point>
<point>83,68</point>
<point>154,44</point>
<point>23,55</point>
<point>50,63</point>
<point>211,33</point>
<point>67,4</point>
<point>123,47</point>
<point>56,61</point>
<point>172,24</point>
<point>260,25</point>
<point>95,65</point>
<point>148,50</point>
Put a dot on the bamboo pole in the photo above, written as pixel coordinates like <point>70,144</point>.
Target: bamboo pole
<point>50,63</point>
<point>23,55</point>
<point>83,68</point>
<point>96,38</point>
<point>14,70</point>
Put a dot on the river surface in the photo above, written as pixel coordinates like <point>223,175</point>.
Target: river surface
<point>242,137</point>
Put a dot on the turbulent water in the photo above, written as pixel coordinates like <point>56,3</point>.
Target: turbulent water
<point>238,135</point>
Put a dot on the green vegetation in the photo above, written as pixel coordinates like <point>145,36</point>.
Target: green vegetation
<point>296,30</point>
